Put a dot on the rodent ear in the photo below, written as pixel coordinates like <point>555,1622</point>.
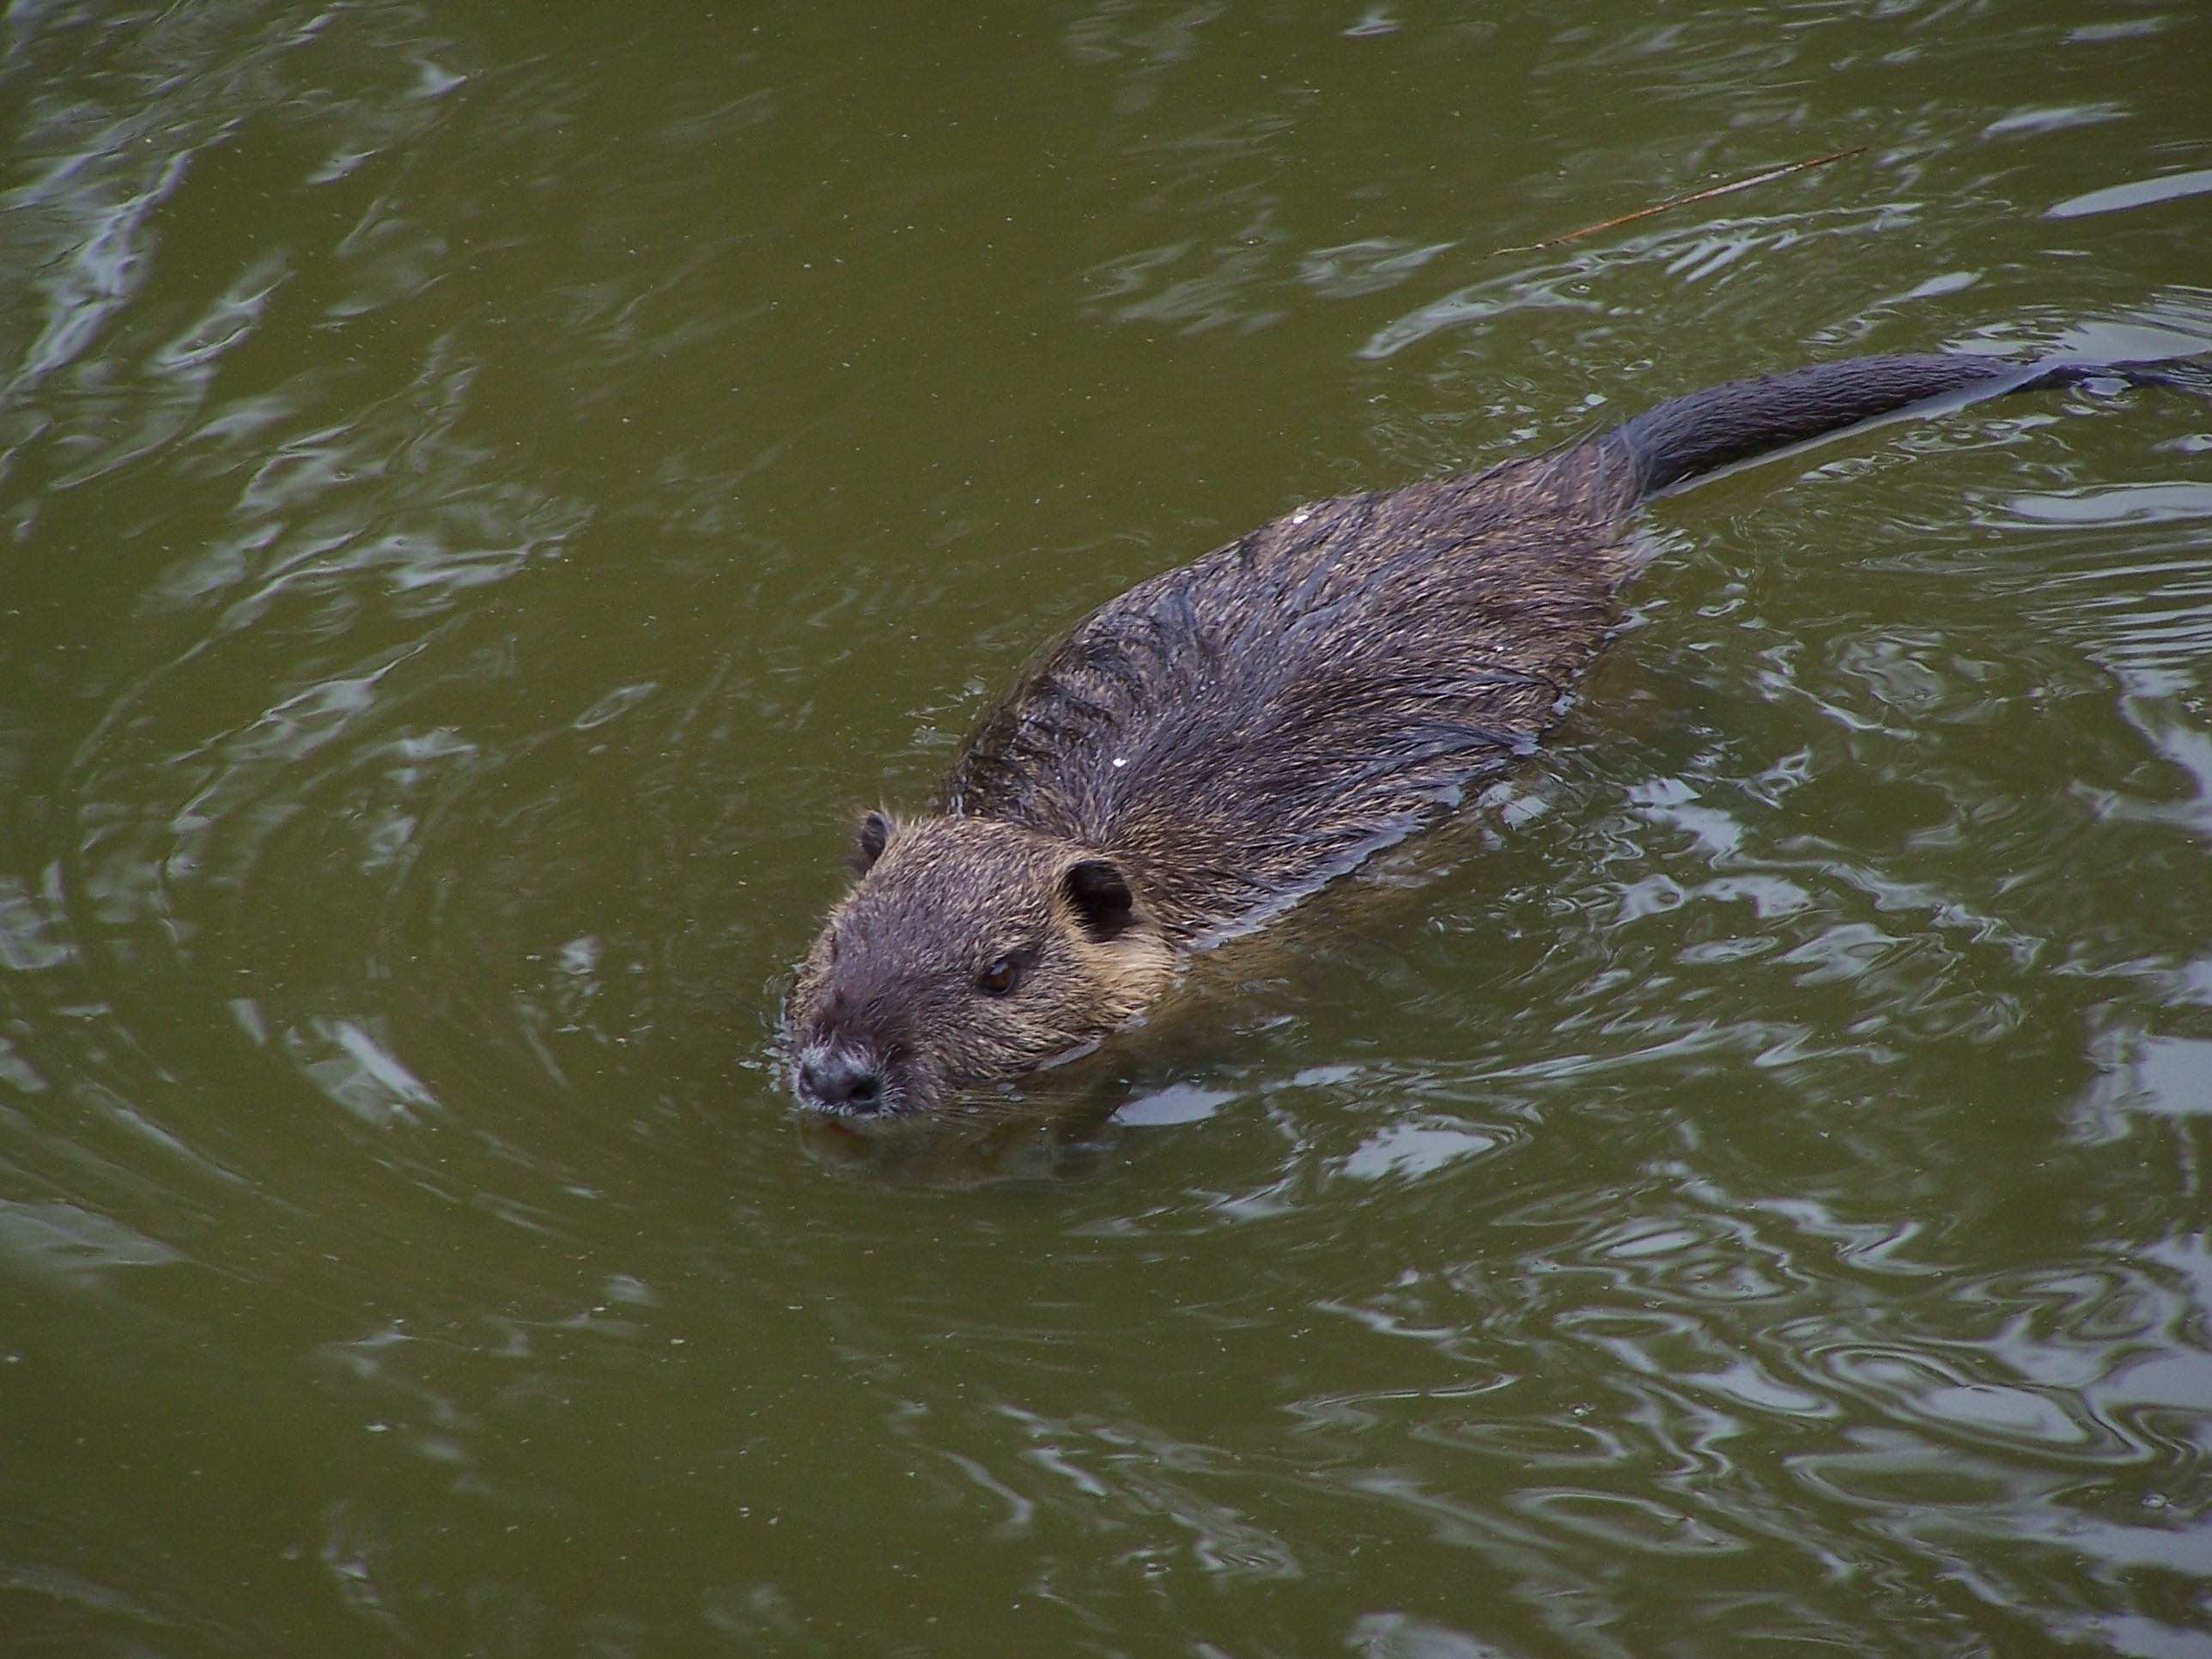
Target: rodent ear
<point>1100,897</point>
<point>869,842</point>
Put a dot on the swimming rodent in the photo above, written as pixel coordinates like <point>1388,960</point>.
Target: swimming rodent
<point>1219,741</point>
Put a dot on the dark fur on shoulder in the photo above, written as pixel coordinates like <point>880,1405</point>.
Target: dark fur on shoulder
<point>1241,729</point>
<point>1215,744</point>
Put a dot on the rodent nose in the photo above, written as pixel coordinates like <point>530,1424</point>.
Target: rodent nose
<point>842,1081</point>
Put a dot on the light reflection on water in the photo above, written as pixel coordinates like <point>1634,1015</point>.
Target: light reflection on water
<point>484,506</point>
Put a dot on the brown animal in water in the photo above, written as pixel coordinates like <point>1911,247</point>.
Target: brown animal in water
<point>1212,746</point>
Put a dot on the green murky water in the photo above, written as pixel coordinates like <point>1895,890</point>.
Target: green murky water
<point>489,490</point>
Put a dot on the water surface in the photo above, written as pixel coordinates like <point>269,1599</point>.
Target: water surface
<point>484,499</point>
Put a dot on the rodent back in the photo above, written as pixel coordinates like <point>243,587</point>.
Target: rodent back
<point>1245,727</point>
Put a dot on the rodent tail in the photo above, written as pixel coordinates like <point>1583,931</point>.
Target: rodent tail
<point>1686,437</point>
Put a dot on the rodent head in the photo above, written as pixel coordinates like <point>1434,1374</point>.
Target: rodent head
<point>969,952</point>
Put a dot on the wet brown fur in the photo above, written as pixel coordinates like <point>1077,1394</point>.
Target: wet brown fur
<point>893,971</point>
<point>1231,734</point>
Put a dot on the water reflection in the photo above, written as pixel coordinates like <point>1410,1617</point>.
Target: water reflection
<point>965,1147</point>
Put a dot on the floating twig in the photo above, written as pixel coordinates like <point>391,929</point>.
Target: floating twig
<point>1766,177</point>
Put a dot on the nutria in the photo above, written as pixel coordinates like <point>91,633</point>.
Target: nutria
<point>1212,746</point>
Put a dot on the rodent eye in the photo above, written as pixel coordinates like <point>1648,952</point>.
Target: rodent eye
<point>1001,977</point>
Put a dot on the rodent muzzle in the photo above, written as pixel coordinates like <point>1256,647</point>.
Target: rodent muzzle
<point>838,1079</point>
